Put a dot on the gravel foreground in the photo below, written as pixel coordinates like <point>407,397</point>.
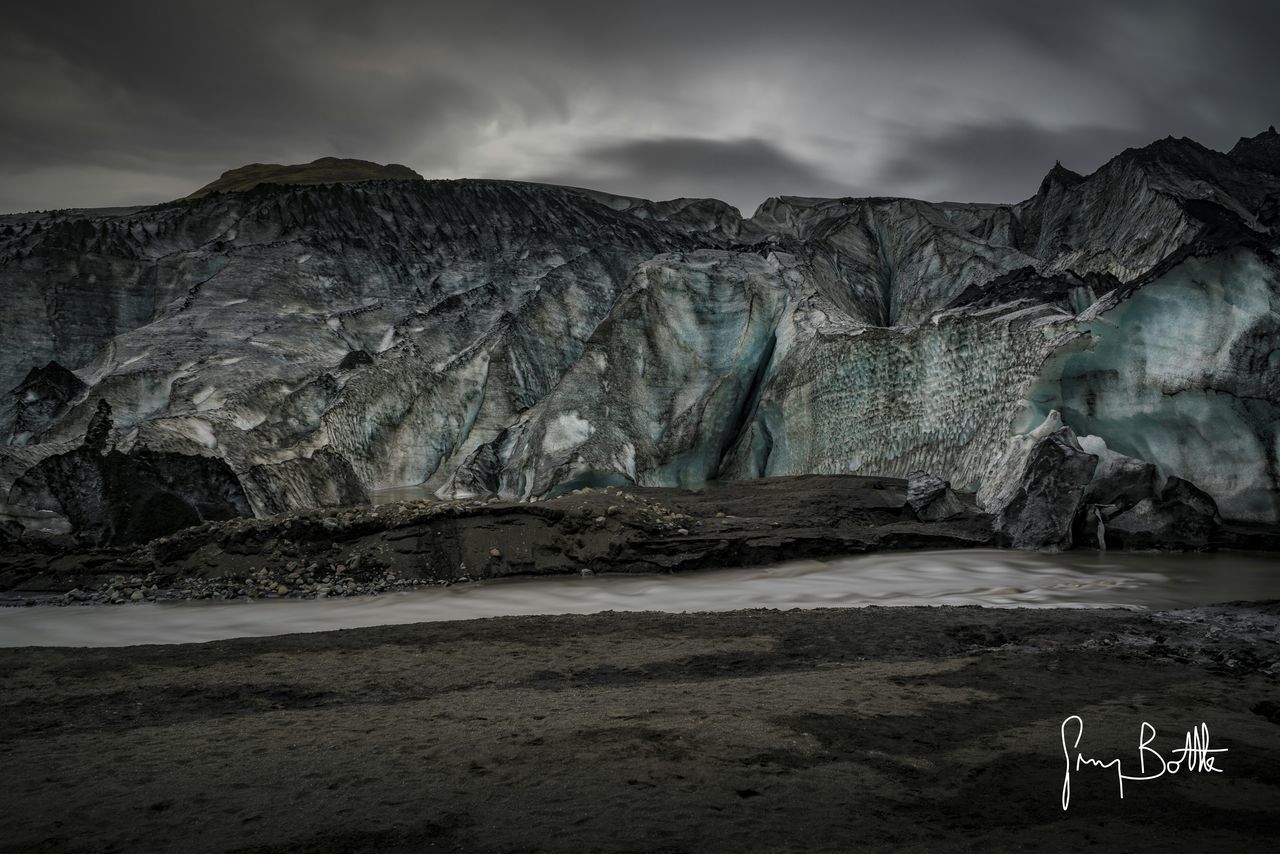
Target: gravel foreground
<point>881,729</point>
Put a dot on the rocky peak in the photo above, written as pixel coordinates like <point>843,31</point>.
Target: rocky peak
<point>1058,176</point>
<point>1177,165</point>
<point>1259,152</point>
<point>1056,183</point>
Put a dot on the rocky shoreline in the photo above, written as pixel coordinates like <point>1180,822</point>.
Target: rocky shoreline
<point>293,583</point>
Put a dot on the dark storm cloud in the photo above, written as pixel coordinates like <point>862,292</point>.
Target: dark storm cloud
<point>184,82</point>
<point>131,101</point>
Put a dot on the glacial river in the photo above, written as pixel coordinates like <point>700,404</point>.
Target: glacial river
<point>975,577</point>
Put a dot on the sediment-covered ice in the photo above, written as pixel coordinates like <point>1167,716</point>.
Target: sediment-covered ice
<point>487,336</point>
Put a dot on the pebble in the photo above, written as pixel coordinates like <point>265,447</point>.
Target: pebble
<point>495,553</point>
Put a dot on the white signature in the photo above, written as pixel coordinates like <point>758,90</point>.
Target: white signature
<point>1194,755</point>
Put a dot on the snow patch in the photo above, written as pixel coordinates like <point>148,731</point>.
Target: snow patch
<point>207,398</point>
<point>201,431</point>
<point>248,419</point>
<point>566,431</point>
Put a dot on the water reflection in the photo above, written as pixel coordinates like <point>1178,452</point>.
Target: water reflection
<point>986,577</point>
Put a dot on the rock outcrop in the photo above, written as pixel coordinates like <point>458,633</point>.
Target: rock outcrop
<point>41,398</point>
<point>114,498</point>
<point>325,339</point>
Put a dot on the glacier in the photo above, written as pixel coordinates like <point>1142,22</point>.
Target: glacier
<point>478,337</point>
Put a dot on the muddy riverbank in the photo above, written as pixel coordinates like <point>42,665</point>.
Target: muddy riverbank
<point>408,544</point>
<point>344,551</point>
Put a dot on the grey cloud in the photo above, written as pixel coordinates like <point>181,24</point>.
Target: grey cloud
<point>1003,162</point>
<point>739,171</point>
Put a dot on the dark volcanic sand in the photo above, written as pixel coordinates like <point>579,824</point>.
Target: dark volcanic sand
<point>845,730</point>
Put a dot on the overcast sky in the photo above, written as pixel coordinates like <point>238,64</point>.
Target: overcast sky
<point>107,103</point>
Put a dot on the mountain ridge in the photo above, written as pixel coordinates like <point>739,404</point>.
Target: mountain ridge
<point>324,170</point>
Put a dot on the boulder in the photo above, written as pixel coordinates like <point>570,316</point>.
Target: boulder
<point>1119,482</point>
<point>932,498</point>
<point>1041,510</point>
<point>1124,506</point>
<point>1182,517</point>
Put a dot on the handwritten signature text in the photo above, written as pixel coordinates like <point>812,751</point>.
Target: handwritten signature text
<point>1195,755</point>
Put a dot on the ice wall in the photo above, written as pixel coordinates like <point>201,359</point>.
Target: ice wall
<point>939,397</point>
<point>664,384</point>
<point>482,336</point>
<point>1185,374</point>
